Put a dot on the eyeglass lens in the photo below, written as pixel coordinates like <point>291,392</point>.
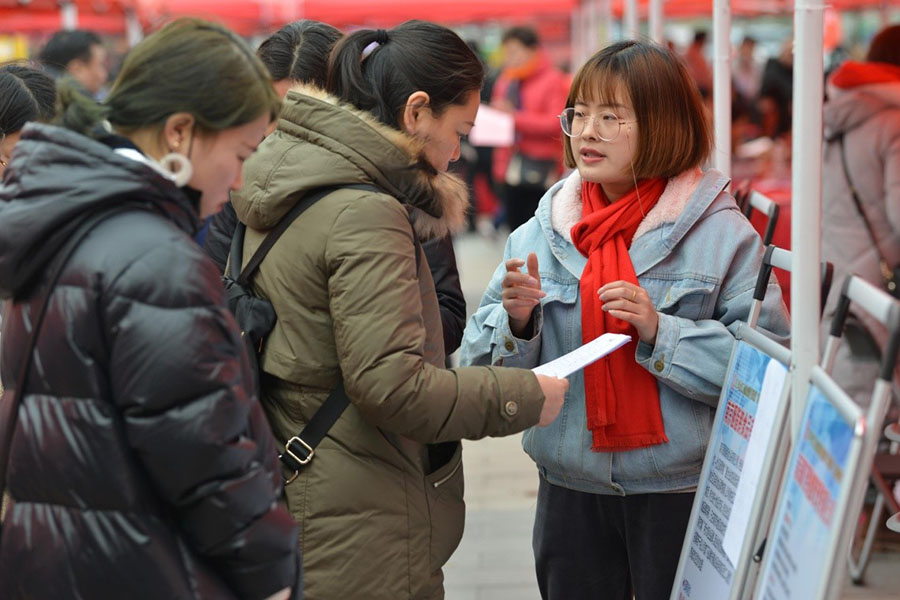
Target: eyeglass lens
<point>606,124</point>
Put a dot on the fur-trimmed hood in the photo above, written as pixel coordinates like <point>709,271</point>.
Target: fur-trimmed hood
<point>322,142</point>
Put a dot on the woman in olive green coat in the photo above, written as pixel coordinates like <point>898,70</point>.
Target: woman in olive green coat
<point>381,504</point>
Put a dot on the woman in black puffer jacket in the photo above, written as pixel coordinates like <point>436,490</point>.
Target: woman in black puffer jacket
<point>141,464</point>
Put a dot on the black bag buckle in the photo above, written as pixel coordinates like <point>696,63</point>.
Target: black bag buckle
<point>297,454</point>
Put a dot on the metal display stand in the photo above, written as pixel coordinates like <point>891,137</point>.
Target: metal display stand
<point>705,570</point>
<point>781,259</point>
<point>806,536</point>
<point>887,310</point>
<point>766,206</point>
<point>829,465</point>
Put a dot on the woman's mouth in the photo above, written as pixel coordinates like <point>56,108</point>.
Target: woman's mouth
<point>591,156</point>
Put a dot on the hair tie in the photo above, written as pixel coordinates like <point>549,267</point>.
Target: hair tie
<point>381,38</point>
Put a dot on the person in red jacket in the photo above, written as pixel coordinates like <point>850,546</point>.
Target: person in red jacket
<point>532,89</point>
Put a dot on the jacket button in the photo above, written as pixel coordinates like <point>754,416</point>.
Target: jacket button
<point>511,408</point>
<point>509,345</point>
<point>659,366</point>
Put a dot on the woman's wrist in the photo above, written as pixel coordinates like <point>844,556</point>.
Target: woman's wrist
<point>523,329</point>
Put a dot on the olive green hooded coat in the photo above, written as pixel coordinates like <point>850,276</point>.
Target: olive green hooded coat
<point>381,504</point>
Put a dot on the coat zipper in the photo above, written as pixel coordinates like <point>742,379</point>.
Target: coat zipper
<point>449,476</point>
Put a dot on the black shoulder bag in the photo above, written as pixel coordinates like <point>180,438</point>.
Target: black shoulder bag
<point>10,417</point>
<point>890,277</point>
<point>256,318</point>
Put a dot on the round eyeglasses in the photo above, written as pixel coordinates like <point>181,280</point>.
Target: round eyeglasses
<point>606,124</point>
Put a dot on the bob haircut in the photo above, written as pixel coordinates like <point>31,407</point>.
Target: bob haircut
<point>673,131</point>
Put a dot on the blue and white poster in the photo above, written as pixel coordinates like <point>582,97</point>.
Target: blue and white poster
<point>753,389</point>
<point>805,518</point>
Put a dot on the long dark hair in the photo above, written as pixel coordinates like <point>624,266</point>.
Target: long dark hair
<point>190,66</point>
<point>26,94</point>
<point>299,51</point>
<point>414,56</point>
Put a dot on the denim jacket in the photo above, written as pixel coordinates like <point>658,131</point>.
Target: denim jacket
<point>698,258</point>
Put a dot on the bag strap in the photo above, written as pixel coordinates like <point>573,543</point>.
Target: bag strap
<point>237,241</point>
<point>301,448</point>
<point>885,270</point>
<point>88,223</point>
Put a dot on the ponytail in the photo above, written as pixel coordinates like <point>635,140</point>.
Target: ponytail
<point>76,111</point>
<point>377,70</point>
<point>348,81</point>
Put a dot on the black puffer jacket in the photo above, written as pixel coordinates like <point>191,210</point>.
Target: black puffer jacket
<point>141,465</point>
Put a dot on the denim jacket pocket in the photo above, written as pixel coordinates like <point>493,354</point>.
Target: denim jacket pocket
<point>558,290</point>
<point>687,297</point>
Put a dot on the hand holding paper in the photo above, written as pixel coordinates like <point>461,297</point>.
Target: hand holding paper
<point>554,394</point>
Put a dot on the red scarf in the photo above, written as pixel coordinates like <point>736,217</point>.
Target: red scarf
<point>852,74</point>
<point>621,397</point>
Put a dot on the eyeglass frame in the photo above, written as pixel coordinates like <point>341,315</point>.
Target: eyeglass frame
<point>3,163</point>
<point>593,118</point>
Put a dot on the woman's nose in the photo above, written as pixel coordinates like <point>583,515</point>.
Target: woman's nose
<point>590,129</point>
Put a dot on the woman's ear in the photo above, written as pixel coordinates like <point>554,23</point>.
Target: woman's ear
<point>414,112</point>
<point>177,132</point>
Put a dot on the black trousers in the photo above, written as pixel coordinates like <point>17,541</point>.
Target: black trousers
<point>598,547</point>
<point>520,203</point>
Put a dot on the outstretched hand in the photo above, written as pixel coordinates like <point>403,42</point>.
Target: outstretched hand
<point>521,292</point>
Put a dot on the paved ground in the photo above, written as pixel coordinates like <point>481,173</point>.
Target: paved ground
<point>494,560</point>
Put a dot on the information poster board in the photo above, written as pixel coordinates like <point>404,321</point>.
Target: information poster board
<point>748,412</point>
<point>807,525</point>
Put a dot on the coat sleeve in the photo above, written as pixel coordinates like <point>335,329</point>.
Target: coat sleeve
<point>379,334</point>
<point>217,244</point>
<point>488,339</point>
<point>442,263</point>
<point>180,379</point>
<point>692,357</point>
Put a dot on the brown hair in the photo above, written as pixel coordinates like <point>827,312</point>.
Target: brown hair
<point>885,47</point>
<point>673,131</point>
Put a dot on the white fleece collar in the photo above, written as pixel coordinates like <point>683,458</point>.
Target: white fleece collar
<point>566,207</point>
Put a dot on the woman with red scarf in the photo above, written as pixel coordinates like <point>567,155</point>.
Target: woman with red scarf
<point>638,241</point>
<point>862,126</point>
